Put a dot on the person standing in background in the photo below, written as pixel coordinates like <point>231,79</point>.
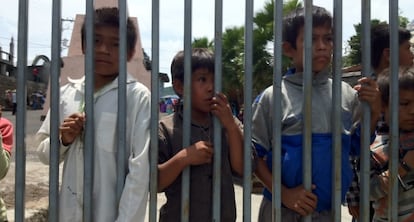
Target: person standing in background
<point>14,102</point>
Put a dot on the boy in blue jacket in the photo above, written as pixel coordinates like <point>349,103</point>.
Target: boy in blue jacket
<point>296,200</point>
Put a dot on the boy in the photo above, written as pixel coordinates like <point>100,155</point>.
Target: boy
<point>380,176</point>
<point>380,47</point>
<point>380,60</point>
<point>174,158</point>
<point>134,196</point>
<point>297,201</point>
<point>6,145</point>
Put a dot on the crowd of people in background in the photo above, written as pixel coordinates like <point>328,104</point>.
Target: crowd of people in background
<point>34,100</point>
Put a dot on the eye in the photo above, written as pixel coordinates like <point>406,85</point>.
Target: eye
<point>403,103</point>
<point>202,79</point>
<point>328,38</point>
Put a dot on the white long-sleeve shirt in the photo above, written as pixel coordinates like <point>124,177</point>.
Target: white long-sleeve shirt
<point>134,197</point>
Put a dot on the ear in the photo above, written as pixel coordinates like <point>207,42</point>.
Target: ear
<point>287,49</point>
<point>384,107</point>
<point>386,54</point>
<point>83,48</point>
<point>178,87</point>
<point>130,54</point>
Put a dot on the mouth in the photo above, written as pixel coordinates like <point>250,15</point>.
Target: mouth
<point>102,61</point>
<point>321,58</point>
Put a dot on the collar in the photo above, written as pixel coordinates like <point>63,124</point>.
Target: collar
<point>179,111</point>
<point>79,84</point>
<point>297,77</point>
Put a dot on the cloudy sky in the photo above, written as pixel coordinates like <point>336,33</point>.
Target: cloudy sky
<point>171,21</point>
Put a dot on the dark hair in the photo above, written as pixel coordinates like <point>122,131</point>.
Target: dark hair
<point>201,58</point>
<point>405,82</point>
<point>380,40</point>
<point>109,17</point>
<point>296,20</point>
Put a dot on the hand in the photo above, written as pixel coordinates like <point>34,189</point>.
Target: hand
<point>384,180</point>
<point>354,211</point>
<point>220,107</point>
<point>199,153</point>
<point>409,158</point>
<point>380,206</point>
<point>300,200</point>
<point>368,91</point>
<point>71,127</point>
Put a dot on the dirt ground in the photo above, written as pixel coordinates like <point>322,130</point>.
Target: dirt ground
<point>36,191</point>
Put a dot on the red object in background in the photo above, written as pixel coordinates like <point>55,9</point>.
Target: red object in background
<point>35,71</point>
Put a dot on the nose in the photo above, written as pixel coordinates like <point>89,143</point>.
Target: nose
<point>101,47</point>
<point>411,109</point>
<point>320,44</point>
<point>211,86</point>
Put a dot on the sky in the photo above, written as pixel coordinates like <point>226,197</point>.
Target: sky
<point>171,21</point>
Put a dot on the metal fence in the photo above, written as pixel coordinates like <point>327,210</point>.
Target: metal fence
<point>278,8</point>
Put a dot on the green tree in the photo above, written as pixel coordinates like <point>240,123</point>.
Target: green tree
<point>263,37</point>
<point>355,55</point>
<point>233,53</point>
<point>202,43</point>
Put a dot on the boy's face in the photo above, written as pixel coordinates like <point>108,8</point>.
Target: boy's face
<point>321,50</point>
<point>202,90</point>
<point>405,110</point>
<point>106,51</point>
<point>405,54</point>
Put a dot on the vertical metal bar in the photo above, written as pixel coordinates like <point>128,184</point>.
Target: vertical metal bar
<point>365,128</point>
<point>122,154</point>
<point>185,188</point>
<point>89,139</point>
<point>54,112</point>
<point>394,107</point>
<point>336,116</point>
<point>248,88</point>
<point>277,112</point>
<point>154,109</point>
<point>307,95</point>
<point>218,19</point>
<point>21,107</point>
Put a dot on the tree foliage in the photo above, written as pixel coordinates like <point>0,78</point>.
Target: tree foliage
<point>202,43</point>
<point>233,53</point>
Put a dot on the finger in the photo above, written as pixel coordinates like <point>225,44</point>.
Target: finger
<point>80,122</point>
<point>72,125</point>
<point>311,196</point>
<point>309,204</point>
<point>351,211</point>
<point>77,115</point>
<point>356,214</point>
<point>68,131</point>
<point>209,151</point>
<point>299,210</point>
<point>308,209</point>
